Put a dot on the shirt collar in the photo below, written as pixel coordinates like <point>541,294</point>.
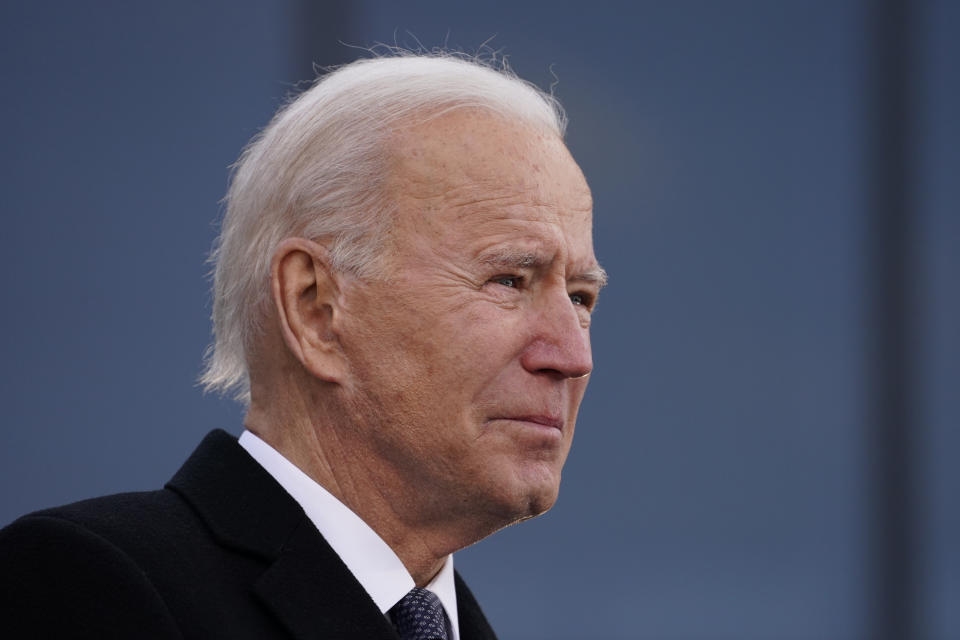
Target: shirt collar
<point>371,560</point>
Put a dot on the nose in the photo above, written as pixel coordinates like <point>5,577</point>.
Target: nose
<point>560,343</point>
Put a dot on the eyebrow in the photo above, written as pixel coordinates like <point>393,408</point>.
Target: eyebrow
<point>527,260</point>
<point>515,259</point>
<point>596,276</point>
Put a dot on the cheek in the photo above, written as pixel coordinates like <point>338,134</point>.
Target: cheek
<point>469,337</point>
<point>578,388</point>
<point>431,351</point>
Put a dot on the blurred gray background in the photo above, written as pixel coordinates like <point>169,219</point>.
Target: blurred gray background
<point>768,446</point>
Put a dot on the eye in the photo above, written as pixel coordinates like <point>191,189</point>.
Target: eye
<point>512,282</point>
<point>581,299</point>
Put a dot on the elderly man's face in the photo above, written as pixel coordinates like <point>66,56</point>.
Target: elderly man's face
<point>471,357</point>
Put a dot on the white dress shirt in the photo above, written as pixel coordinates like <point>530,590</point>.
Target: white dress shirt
<point>371,561</point>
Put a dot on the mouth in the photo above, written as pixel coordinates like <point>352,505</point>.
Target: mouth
<point>550,422</point>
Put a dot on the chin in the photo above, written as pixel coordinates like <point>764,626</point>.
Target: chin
<point>543,502</point>
<point>534,499</point>
<point>516,492</point>
<point>511,506</point>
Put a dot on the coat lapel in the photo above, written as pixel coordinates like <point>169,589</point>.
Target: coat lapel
<point>305,584</point>
<point>310,589</point>
<point>473,624</point>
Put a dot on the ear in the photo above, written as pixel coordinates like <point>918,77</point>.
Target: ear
<point>305,293</point>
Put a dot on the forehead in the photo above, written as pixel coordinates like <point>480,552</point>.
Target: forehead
<point>473,177</point>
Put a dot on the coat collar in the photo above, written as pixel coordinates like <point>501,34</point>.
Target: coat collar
<point>305,584</point>
<point>473,624</point>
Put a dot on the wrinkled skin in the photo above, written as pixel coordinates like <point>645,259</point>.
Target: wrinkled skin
<point>469,358</point>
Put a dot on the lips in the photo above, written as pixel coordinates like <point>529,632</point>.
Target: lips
<point>543,420</point>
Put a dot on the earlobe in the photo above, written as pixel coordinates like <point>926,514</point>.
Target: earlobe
<point>305,293</point>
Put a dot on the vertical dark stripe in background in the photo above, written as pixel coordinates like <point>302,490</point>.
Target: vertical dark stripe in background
<point>324,35</point>
<point>893,605</point>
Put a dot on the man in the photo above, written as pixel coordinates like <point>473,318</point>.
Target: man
<point>403,288</point>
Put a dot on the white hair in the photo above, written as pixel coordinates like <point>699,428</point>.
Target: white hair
<point>318,171</point>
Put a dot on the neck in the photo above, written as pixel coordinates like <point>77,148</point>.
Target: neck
<point>317,442</point>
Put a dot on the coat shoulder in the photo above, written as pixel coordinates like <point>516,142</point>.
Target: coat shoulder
<point>56,568</point>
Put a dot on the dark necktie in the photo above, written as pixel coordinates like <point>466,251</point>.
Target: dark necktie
<point>419,616</point>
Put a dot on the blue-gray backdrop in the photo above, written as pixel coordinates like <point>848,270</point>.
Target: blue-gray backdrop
<point>723,483</point>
